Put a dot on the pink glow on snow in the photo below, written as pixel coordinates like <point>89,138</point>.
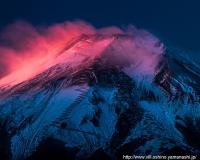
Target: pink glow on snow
<point>26,51</point>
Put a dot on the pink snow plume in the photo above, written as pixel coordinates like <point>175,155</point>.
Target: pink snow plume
<point>26,51</point>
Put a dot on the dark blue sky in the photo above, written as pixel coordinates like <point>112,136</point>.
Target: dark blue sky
<point>177,22</point>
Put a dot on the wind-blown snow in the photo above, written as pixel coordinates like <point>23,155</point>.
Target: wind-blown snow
<point>27,51</point>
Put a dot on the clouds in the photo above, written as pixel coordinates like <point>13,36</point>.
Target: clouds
<point>20,42</point>
<point>26,48</point>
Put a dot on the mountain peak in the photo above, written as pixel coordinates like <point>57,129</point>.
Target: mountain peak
<point>103,93</point>
<point>117,49</point>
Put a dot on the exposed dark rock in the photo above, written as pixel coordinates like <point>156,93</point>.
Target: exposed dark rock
<point>51,149</point>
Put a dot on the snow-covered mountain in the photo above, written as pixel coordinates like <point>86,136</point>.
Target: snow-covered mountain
<point>103,96</point>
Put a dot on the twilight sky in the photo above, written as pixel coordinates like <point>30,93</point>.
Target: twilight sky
<point>176,22</point>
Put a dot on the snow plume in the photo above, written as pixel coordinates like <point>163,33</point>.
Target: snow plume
<point>23,46</point>
<point>24,49</point>
<point>139,54</point>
